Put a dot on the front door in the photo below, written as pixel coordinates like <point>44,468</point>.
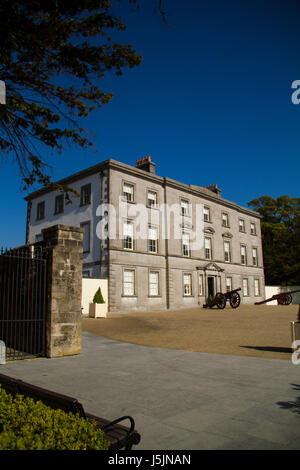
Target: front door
<point>211,286</point>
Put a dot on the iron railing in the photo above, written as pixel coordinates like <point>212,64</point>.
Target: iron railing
<point>23,301</point>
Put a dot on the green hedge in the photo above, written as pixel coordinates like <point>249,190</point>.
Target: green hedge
<point>29,425</point>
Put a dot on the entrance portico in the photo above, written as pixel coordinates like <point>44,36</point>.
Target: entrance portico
<point>212,279</point>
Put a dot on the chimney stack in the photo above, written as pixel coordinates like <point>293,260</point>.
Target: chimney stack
<point>214,188</point>
<point>146,164</point>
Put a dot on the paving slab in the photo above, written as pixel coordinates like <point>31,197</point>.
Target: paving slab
<point>179,399</point>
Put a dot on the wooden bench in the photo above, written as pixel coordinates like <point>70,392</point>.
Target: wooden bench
<point>121,437</point>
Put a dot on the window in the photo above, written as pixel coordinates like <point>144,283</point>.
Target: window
<point>227,256</point>
<point>225,220</point>
<point>184,207</point>
<point>85,197</point>
<point>86,237</point>
<point>86,273</point>
<point>151,199</point>
<point>228,284</point>
<point>242,225</point>
<point>256,288</point>
<point>206,214</point>
<point>207,248</point>
<point>201,285</point>
<point>252,229</point>
<point>187,284</point>
<point>40,214</point>
<point>128,192</point>
<point>185,244</point>
<point>254,256</point>
<point>59,204</point>
<point>128,235</point>
<point>128,282</point>
<point>245,288</point>
<point>152,239</point>
<point>153,283</point>
<point>243,255</point>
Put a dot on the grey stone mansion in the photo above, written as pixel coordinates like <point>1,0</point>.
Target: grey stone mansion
<point>193,244</point>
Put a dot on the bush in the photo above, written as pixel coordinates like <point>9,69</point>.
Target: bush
<point>98,297</point>
<point>29,425</point>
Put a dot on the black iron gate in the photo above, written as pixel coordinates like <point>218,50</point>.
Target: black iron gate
<point>23,301</point>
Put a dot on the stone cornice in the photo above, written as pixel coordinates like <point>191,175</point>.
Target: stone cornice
<point>136,172</point>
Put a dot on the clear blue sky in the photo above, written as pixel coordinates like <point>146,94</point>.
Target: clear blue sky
<point>211,103</point>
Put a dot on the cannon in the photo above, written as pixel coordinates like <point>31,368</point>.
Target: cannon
<point>284,298</point>
<point>220,299</point>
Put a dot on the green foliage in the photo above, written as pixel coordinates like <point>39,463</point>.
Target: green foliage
<point>29,425</point>
<point>52,57</point>
<point>280,238</point>
<point>98,297</point>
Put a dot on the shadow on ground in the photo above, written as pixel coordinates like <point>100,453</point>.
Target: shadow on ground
<point>269,348</point>
<point>294,406</point>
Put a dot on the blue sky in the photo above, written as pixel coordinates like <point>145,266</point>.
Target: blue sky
<point>211,103</point>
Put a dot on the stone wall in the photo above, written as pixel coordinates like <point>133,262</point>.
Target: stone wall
<point>63,323</point>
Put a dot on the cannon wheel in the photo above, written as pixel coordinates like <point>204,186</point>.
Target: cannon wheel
<point>235,300</point>
<point>285,299</point>
<point>220,300</point>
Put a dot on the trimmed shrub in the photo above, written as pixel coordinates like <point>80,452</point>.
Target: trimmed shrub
<point>29,425</point>
<point>98,297</point>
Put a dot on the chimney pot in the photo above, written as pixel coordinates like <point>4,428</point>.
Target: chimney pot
<point>146,164</point>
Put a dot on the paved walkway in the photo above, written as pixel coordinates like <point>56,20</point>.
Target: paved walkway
<point>179,399</point>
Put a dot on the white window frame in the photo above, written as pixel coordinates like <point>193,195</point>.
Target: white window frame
<point>189,291</point>
<point>128,235</point>
<point>206,214</point>
<point>225,219</point>
<point>228,286</point>
<point>245,284</point>
<point>186,252</point>
<point>185,207</point>
<point>242,226</point>
<point>201,285</point>
<point>256,288</point>
<point>153,292</point>
<point>243,256</point>
<point>151,202</point>
<point>227,252</point>
<point>128,195</point>
<point>209,253</point>
<point>128,287</point>
<point>254,256</point>
<point>152,241</point>
<point>252,228</point>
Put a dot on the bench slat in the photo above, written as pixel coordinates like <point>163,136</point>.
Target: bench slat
<point>119,435</point>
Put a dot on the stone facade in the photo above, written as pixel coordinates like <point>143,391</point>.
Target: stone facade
<point>63,324</point>
<point>170,277</point>
<point>169,261</point>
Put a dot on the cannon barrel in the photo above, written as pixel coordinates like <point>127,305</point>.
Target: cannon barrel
<point>234,290</point>
<point>281,295</point>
